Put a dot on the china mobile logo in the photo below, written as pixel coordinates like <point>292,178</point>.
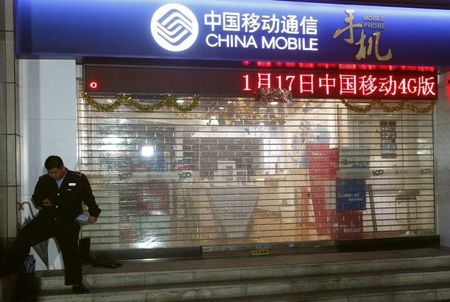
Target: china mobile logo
<point>174,27</point>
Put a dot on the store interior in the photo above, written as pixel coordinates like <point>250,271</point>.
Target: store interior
<point>236,171</point>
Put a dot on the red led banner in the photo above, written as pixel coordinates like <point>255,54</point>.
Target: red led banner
<point>303,83</point>
<point>346,84</point>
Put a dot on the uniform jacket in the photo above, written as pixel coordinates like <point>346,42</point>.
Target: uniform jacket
<point>68,198</point>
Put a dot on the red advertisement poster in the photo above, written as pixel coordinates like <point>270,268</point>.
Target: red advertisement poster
<point>323,161</point>
<point>349,225</point>
<point>322,165</point>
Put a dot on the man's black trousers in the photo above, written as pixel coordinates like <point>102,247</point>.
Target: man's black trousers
<point>43,227</point>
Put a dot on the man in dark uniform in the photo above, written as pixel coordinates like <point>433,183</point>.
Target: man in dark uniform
<point>59,194</point>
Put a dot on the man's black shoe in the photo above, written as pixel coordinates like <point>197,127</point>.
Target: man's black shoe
<point>80,289</point>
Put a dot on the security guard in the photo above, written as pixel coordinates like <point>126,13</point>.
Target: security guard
<point>59,194</point>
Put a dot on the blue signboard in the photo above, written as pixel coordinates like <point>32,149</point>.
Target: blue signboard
<point>350,194</point>
<point>233,30</point>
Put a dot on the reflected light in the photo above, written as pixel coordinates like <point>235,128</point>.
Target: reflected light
<point>112,140</point>
<point>147,151</point>
<point>149,242</point>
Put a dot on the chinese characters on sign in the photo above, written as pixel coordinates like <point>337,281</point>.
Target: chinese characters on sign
<point>346,84</point>
<point>250,30</point>
<point>364,49</point>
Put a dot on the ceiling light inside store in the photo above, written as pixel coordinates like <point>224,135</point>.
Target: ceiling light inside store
<point>213,121</point>
<point>147,151</point>
<point>180,101</point>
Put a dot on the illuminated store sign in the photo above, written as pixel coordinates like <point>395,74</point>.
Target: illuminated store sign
<point>280,32</point>
<point>233,31</point>
<point>307,83</point>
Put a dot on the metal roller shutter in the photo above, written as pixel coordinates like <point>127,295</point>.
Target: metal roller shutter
<point>235,171</point>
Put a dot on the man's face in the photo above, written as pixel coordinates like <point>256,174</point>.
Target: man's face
<point>56,173</point>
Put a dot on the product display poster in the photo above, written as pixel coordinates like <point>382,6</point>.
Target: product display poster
<point>350,194</point>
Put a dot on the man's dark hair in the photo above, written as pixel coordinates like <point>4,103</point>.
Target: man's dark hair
<point>53,161</point>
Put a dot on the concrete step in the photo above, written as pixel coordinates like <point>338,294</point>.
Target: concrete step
<point>422,293</point>
<point>429,292</point>
<point>381,276</point>
<point>263,286</point>
<point>145,274</point>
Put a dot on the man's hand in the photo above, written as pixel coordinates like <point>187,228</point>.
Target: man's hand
<point>92,219</point>
<point>47,203</point>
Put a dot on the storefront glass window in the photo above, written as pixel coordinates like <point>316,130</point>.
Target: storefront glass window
<point>235,171</point>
